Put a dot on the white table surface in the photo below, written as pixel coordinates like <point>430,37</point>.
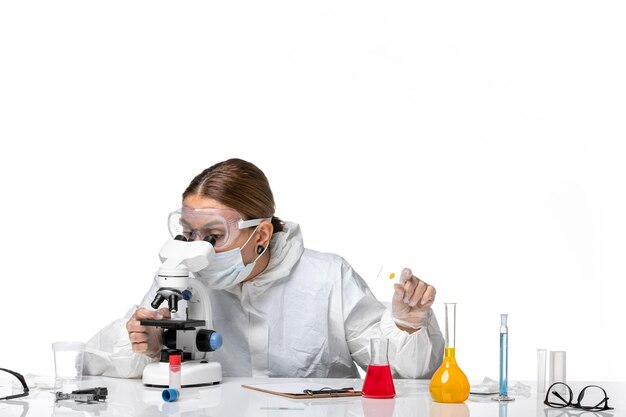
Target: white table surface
<point>130,398</point>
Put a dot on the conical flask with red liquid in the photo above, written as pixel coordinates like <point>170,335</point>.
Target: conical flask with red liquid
<point>378,382</point>
<point>449,384</point>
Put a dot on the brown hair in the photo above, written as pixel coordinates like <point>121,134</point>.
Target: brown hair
<point>240,185</point>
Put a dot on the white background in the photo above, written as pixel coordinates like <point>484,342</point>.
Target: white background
<point>480,143</point>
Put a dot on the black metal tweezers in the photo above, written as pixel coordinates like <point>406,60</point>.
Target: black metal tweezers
<point>89,396</point>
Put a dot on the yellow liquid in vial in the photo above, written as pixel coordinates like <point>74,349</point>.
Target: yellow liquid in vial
<point>449,384</point>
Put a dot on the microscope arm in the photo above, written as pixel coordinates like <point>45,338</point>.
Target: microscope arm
<point>199,306</point>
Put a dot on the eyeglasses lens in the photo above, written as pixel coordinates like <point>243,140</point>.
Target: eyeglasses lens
<point>559,395</point>
<point>592,398</point>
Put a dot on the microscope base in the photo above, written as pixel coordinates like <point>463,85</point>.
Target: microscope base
<point>192,373</point>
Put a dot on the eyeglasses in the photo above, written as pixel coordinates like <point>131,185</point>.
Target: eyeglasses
<point>560,395</point>
<point>22,380</point>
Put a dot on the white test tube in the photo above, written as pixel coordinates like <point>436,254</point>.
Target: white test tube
<point>541,370</point>
<point>557,366</point>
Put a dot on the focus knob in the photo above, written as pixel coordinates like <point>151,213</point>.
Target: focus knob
<point>208,340</point>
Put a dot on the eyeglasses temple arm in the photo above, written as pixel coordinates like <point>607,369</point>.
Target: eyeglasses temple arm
<point>560,398</point>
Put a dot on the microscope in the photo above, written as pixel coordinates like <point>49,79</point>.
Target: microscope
<point>193,335</point>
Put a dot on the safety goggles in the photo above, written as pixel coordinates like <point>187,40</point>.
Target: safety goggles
<point>220,226</point>
<point>22,381</point>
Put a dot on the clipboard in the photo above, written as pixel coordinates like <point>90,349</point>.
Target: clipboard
<point>303,390</point>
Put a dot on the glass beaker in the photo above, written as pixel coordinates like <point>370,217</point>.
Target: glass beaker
<point>449,384</point>
<point>68,363</point>
<point>378,382</point>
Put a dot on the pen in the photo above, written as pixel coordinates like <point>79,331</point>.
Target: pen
<point>328,391</point>
<point>281,408</point>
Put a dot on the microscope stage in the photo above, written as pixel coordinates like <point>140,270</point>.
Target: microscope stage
<point>174,324</point>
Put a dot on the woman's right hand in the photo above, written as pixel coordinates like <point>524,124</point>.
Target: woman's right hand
<point>146,339</point>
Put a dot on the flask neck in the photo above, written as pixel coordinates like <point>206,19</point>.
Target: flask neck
<point>449,352</point>
<point>450,335</point>
<point>379,348</point>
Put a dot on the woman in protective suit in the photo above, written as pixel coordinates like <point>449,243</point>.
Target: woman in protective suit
<point>283,310</point>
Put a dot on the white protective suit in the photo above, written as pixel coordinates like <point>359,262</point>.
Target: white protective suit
<point>309,314</point>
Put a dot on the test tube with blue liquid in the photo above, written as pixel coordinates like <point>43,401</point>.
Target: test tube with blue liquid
<point>503,394</point>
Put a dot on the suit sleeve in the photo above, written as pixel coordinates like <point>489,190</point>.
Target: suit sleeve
<point>416,355</point>
<point>110,353</point>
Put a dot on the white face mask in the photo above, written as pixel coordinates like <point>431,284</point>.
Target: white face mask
<point>227,268</point>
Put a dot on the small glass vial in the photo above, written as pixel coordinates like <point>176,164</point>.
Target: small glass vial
<point>173,392</point>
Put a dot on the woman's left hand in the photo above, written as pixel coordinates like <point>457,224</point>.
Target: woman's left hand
<point>411,301</point>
